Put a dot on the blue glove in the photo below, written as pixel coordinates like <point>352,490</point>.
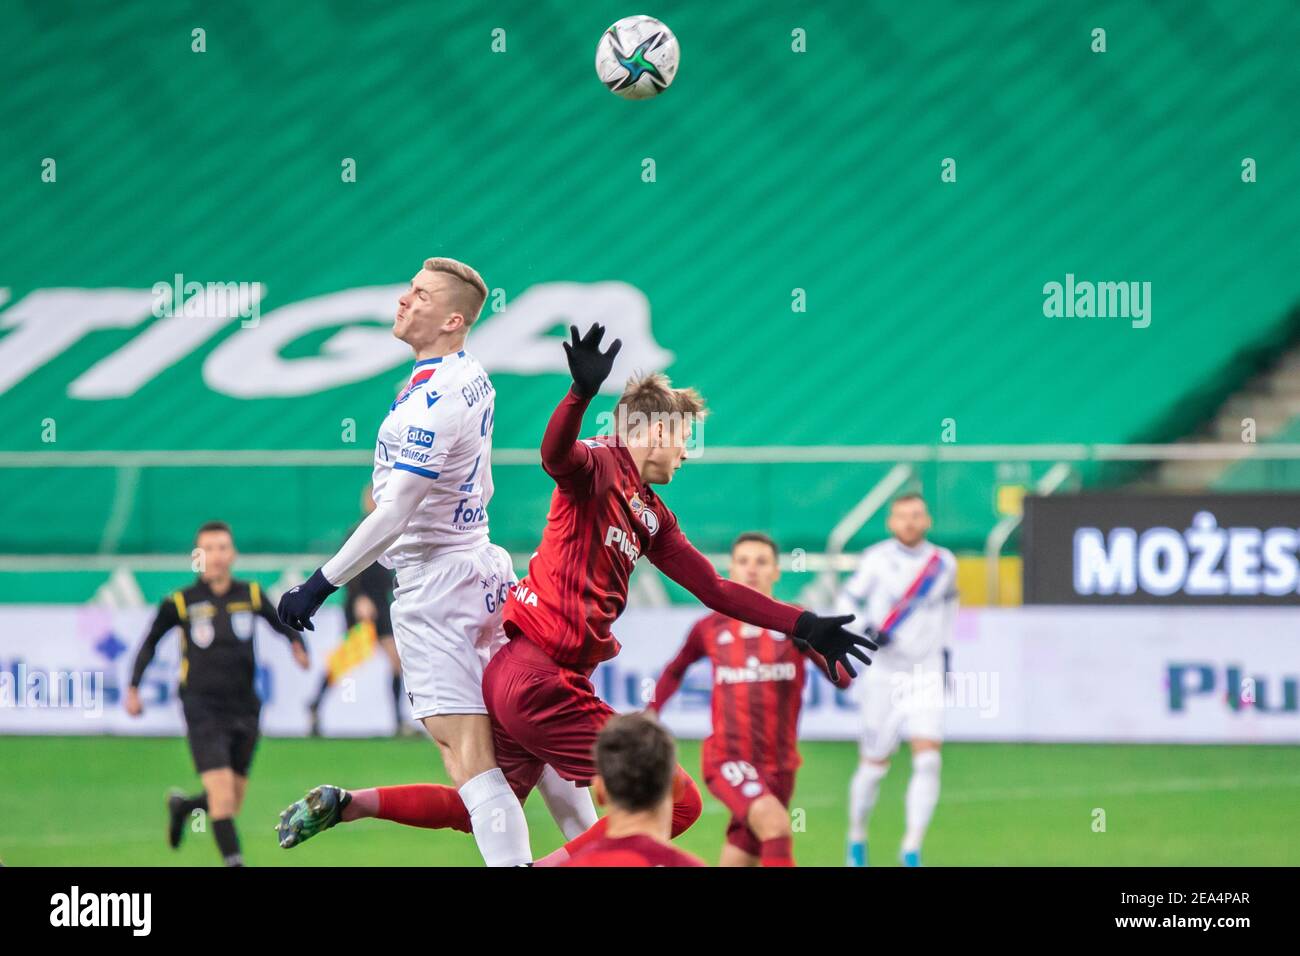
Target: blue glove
<point>298,604</point>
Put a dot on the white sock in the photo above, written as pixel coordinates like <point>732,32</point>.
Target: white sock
<point>497,818</point>
<point>570,804</point>
<point>922,795</point>
<point>863,790</point>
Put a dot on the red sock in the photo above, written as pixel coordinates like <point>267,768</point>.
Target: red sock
<point>687,803</point>
<point>778,851</point>
<point>428,805</point>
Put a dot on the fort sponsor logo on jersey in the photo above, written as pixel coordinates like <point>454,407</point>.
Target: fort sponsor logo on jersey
<point>467,514</point>
<point>131,910</point>
<point>620,540</point>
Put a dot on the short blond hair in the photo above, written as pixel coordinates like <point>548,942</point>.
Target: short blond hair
<point>646,397</point>
<point>469,298</point>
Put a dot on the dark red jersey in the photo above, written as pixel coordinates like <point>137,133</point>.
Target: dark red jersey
<point>634,850</point>
<point>603,518</point>
<point>758,681</point>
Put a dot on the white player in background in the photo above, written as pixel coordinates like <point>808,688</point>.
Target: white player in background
<point>431,485</point>
<point>906,587</point>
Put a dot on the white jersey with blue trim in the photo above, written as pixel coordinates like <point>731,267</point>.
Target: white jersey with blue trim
<point>440,429</point>
<point>884,575</point>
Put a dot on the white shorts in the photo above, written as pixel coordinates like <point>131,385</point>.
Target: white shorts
<point>903,700</point>
<point>447,625</point>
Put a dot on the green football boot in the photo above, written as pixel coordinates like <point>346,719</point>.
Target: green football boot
<point>314,813</point>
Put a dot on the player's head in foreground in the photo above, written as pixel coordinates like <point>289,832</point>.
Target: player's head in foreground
<point>656,422</point>
<point>755,561</point>
<point>636,763</point>
<point>909,519</point>
<point>214,552</point>
<point>436,311</point>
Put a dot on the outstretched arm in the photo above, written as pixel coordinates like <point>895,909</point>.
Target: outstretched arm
<point>696,573</point>
<point>671,677</point>
<point>678,558</point>
<point>402,495</point>
<point>564,458</point>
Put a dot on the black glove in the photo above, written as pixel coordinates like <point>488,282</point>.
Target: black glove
<point>882,638</point>
<point>829,638</point>
<point>298,604</point>
<point>588,365</point>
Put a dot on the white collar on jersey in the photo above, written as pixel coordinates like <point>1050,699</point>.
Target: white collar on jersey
<point>915,552</point>
<point>434,361</point>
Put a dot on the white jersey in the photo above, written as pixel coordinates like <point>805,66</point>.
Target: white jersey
<point>440,428</point>
<point>884,575</point>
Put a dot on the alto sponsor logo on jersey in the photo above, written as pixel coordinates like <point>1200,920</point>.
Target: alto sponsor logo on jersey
<point>419,436</point>
<point>755,671</point>
<point>620,540</point>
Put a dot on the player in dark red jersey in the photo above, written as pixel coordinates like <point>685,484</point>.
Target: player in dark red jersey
<point>604,516</point>
<point>750,760</point>
<point>636,761</point>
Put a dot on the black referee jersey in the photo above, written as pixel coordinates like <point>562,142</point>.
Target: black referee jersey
<point>217,664</point>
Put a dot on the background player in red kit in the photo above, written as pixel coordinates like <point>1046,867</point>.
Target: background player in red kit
<point>636,760</point>
<point>604,516</point>
<point>750,760</point>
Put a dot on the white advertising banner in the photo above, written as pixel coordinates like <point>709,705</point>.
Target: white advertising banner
<point>1210,675</point>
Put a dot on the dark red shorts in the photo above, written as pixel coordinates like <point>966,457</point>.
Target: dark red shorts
<point>542,713</point>
<point>737,784</point>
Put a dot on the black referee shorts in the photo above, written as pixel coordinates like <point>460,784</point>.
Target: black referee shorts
<point>219,740</point>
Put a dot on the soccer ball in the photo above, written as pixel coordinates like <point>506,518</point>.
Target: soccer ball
<point>637,57</point>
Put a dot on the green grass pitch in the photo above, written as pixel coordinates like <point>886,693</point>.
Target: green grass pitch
<point>79,801</point>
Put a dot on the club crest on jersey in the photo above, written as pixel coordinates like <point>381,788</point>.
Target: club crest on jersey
<point>650,520</point>
<point>241,622</point>
<point>417,380</point>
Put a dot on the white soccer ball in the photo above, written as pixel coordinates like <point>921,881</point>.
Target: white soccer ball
<point>637,57</point>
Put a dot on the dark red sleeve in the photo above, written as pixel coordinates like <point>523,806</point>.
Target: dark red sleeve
<point>564,458</point>
<point>676,557</point>
<point>672,675</point>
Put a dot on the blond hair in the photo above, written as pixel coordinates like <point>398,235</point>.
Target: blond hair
<point>648,398</point>
<point>469,296</point>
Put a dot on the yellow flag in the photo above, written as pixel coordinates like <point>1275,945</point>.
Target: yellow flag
<point>358,644</point>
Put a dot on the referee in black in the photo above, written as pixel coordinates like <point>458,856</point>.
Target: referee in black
<point>216,616</point>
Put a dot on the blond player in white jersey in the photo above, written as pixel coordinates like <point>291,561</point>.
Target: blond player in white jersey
<point>432,483</point>
<point>906,587</point>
